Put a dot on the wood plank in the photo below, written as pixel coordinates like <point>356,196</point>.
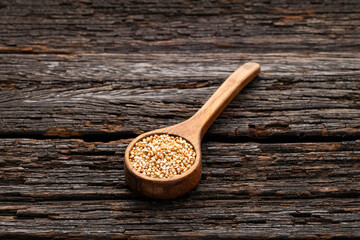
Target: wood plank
<point>69,188</point>
<point>121,95</point>
<point>177,26</point>
<point>107,70</point>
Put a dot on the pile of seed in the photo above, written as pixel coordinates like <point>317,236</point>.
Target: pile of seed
<point>162,156</point>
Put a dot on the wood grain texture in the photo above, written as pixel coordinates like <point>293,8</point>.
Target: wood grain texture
<point>70,188</point>
<point>112,95</point>
<point>178,26</point>
<point>79,79</point>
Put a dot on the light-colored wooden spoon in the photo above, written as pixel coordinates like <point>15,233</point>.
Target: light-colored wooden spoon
<point>193,131</point>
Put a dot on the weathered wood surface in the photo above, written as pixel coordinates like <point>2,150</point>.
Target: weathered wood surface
<point>112,95</point>
<point>281,162</point>
<point>74,187</point>
<point>181,26</point>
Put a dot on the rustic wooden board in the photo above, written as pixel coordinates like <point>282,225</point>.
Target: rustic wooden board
<point>112,95</point>
<point>181,26</point>
<point>79,79</point>
<point>72,187</point>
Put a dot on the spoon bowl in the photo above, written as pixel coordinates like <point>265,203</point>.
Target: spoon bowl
<point>192,130</point>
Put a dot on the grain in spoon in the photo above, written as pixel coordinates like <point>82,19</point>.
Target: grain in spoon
<point>192,130</point>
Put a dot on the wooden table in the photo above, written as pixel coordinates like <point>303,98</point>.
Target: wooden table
<point>80,79</point>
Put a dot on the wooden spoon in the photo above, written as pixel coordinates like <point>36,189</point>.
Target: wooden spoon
<point>193,131</point>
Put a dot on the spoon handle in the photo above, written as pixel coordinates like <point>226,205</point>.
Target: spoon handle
<point>223,96</point>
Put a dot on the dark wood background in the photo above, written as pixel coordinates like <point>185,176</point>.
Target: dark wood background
<point>80,79</point>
